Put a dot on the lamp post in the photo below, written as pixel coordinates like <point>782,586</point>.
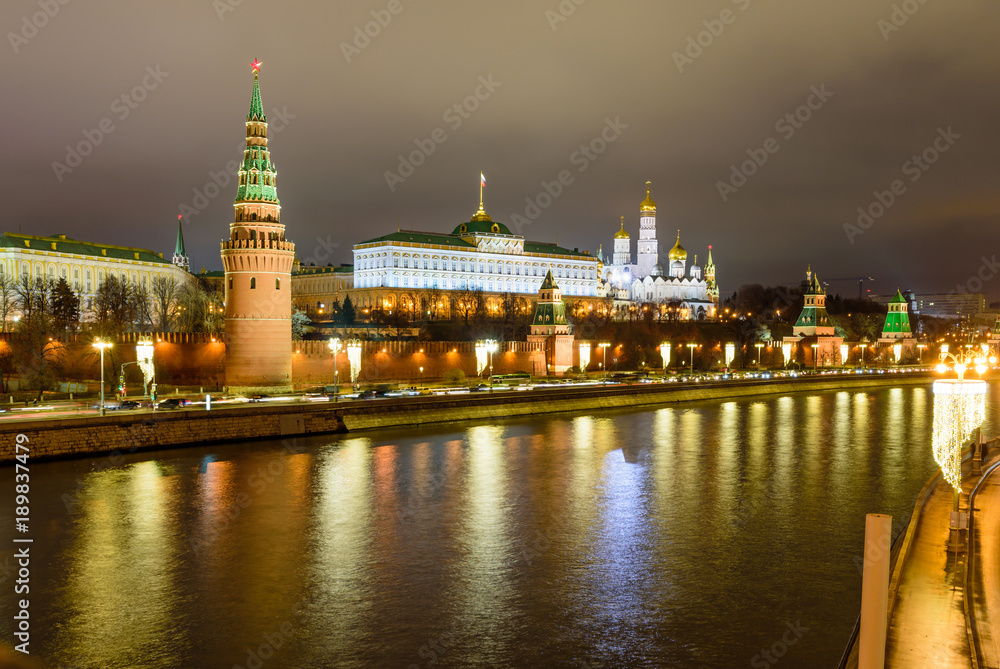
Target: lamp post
<point>101,345</point>
<point>491,348</point>
<point>665,355</point>
<point>604,366</point>
<point>421,377</point>
<point>759,347</point>
<point>920,348</point>
<point>692,347</point>
<point>335,349</point>
<point>815,348</point>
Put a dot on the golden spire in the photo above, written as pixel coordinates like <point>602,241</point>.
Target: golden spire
<point>678,252</point>
<point>481,215</point>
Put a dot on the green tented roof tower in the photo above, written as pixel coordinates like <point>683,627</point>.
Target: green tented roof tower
<point>814,320</point>
<point>180,253</point>
<point>897,320</point>
<point>550,314</point>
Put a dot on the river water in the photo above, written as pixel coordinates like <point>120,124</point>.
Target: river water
<point>697,535</point>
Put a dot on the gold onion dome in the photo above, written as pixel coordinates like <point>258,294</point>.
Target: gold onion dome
<point>621,234</point>
<point>678,252</point>
<point>648,204</point>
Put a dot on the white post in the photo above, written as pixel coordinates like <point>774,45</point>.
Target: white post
<point>875,591</point>
<point>208,402</point>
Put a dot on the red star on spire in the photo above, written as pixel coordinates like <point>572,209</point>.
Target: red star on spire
<point>255,65</point>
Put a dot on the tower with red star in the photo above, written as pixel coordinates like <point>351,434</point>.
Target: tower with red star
<point>258,262</point>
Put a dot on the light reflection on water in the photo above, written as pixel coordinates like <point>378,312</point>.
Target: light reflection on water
<point>682,536</point>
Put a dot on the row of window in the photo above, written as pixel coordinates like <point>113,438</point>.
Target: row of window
<point>253,283</point>
<point>488,285</point>
<point>485,267</point>
<point>140,278</point>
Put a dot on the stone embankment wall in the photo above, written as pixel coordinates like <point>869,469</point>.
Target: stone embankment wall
<point>128,433</point>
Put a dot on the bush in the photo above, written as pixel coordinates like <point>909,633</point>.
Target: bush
<point>454,377</point>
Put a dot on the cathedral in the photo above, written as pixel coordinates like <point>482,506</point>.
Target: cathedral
<point>691,289</point>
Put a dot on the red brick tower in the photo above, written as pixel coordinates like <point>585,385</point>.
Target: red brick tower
<point>258,264</point>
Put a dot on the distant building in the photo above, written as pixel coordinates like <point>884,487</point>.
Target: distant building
<point>693,291</point>
<point>424,273</point>
<point>550,328</point>
<point>941,305</point>
<point>814,332</point>
<point>896,333</point>
<point>84,265</point>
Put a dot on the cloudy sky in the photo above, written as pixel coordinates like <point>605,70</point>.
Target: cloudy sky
<point>833,99</point>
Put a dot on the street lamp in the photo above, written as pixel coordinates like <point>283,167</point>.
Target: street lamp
<point>584,356</point>
<point>665,354</point>
<point>786,352</point>
<point>730,354</point>
<point>759,347</point>
<point>421,377</point>
<point>692,347</point>
<point>144,354</point>
<point>491,348</point>
<point>101,345</point>
<point>920,348</point>
<point>604,366</point>
<point>334,344</point>
<point>815,348</point>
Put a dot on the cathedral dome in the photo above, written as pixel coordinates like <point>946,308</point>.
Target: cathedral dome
<point>657,270</point>
<point>647,205</point>
<point>678,252</point>
<point>621,234</point>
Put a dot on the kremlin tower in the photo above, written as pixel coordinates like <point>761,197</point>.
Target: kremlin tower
<point>258,262</point>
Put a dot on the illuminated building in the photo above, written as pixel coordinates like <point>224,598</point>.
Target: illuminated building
<point>693,292</point>
<point>258,262</point>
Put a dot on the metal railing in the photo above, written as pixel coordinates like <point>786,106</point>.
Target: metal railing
<point>970,568</point>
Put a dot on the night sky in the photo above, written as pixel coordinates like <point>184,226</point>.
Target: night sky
<point>892,78</point>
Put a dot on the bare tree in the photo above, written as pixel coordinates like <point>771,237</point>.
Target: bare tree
<point>163,291</point>
<point>8,298</point>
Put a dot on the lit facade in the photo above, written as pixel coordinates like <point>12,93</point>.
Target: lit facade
<point>258,261</point>
<point>84,265</point>
<point>407,268</point>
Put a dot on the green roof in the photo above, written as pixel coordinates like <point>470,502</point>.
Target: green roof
<point>179,247</point>
<point>416,237</point>
<point>897,298</point>
<point>547,313</point>
<point>897,322</point>
<point>549,283</point>
<point>814,317</point>
<point>63,244</point>
<point>488,227</point>
<point>309,269</point>
<point>256,108</point>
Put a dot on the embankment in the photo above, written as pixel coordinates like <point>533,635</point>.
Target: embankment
<point>130,432</point>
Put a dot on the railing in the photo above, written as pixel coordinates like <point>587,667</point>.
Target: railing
<point>271,244</point>
<point>970,610</point>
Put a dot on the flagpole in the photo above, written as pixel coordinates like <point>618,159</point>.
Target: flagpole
<point>481,179</point>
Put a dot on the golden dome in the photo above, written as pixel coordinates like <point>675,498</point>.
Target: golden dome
<point>621,234</point>
<point>678,252</point>
<point>648,204</point>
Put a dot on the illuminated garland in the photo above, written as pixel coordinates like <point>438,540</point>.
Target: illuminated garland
<point>354,357</point>
<point>959,408</point>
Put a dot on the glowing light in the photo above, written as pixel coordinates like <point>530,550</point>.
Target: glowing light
<point>354,357</point>
<point>897,351</point>
<point>665,354</point>
<point>844,349</point>
<point>255,65</point>
<point>144,356</point>
<point>786,350</point>
<point>959,408</point>
<point>730,353</point>
<point>584,354</point>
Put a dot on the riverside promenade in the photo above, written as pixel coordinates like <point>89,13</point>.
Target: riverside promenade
<point>929,625</point>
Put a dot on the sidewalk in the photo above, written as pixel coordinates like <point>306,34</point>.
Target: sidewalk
<point>928,624</point>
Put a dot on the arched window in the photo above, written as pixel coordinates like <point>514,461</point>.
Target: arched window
<point>253,283</point>
<point>230,283</point>
<point>277,283</point>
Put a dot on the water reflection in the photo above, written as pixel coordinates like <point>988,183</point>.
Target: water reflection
<point>680,536</point>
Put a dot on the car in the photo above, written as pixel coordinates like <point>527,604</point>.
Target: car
<point>129,404</point>
<point>172,403</point>
<point>259,397</point>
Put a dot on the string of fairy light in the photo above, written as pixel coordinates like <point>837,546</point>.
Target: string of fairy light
<point>959,408</point>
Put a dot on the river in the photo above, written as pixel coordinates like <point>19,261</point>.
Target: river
<point>695,535</point>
